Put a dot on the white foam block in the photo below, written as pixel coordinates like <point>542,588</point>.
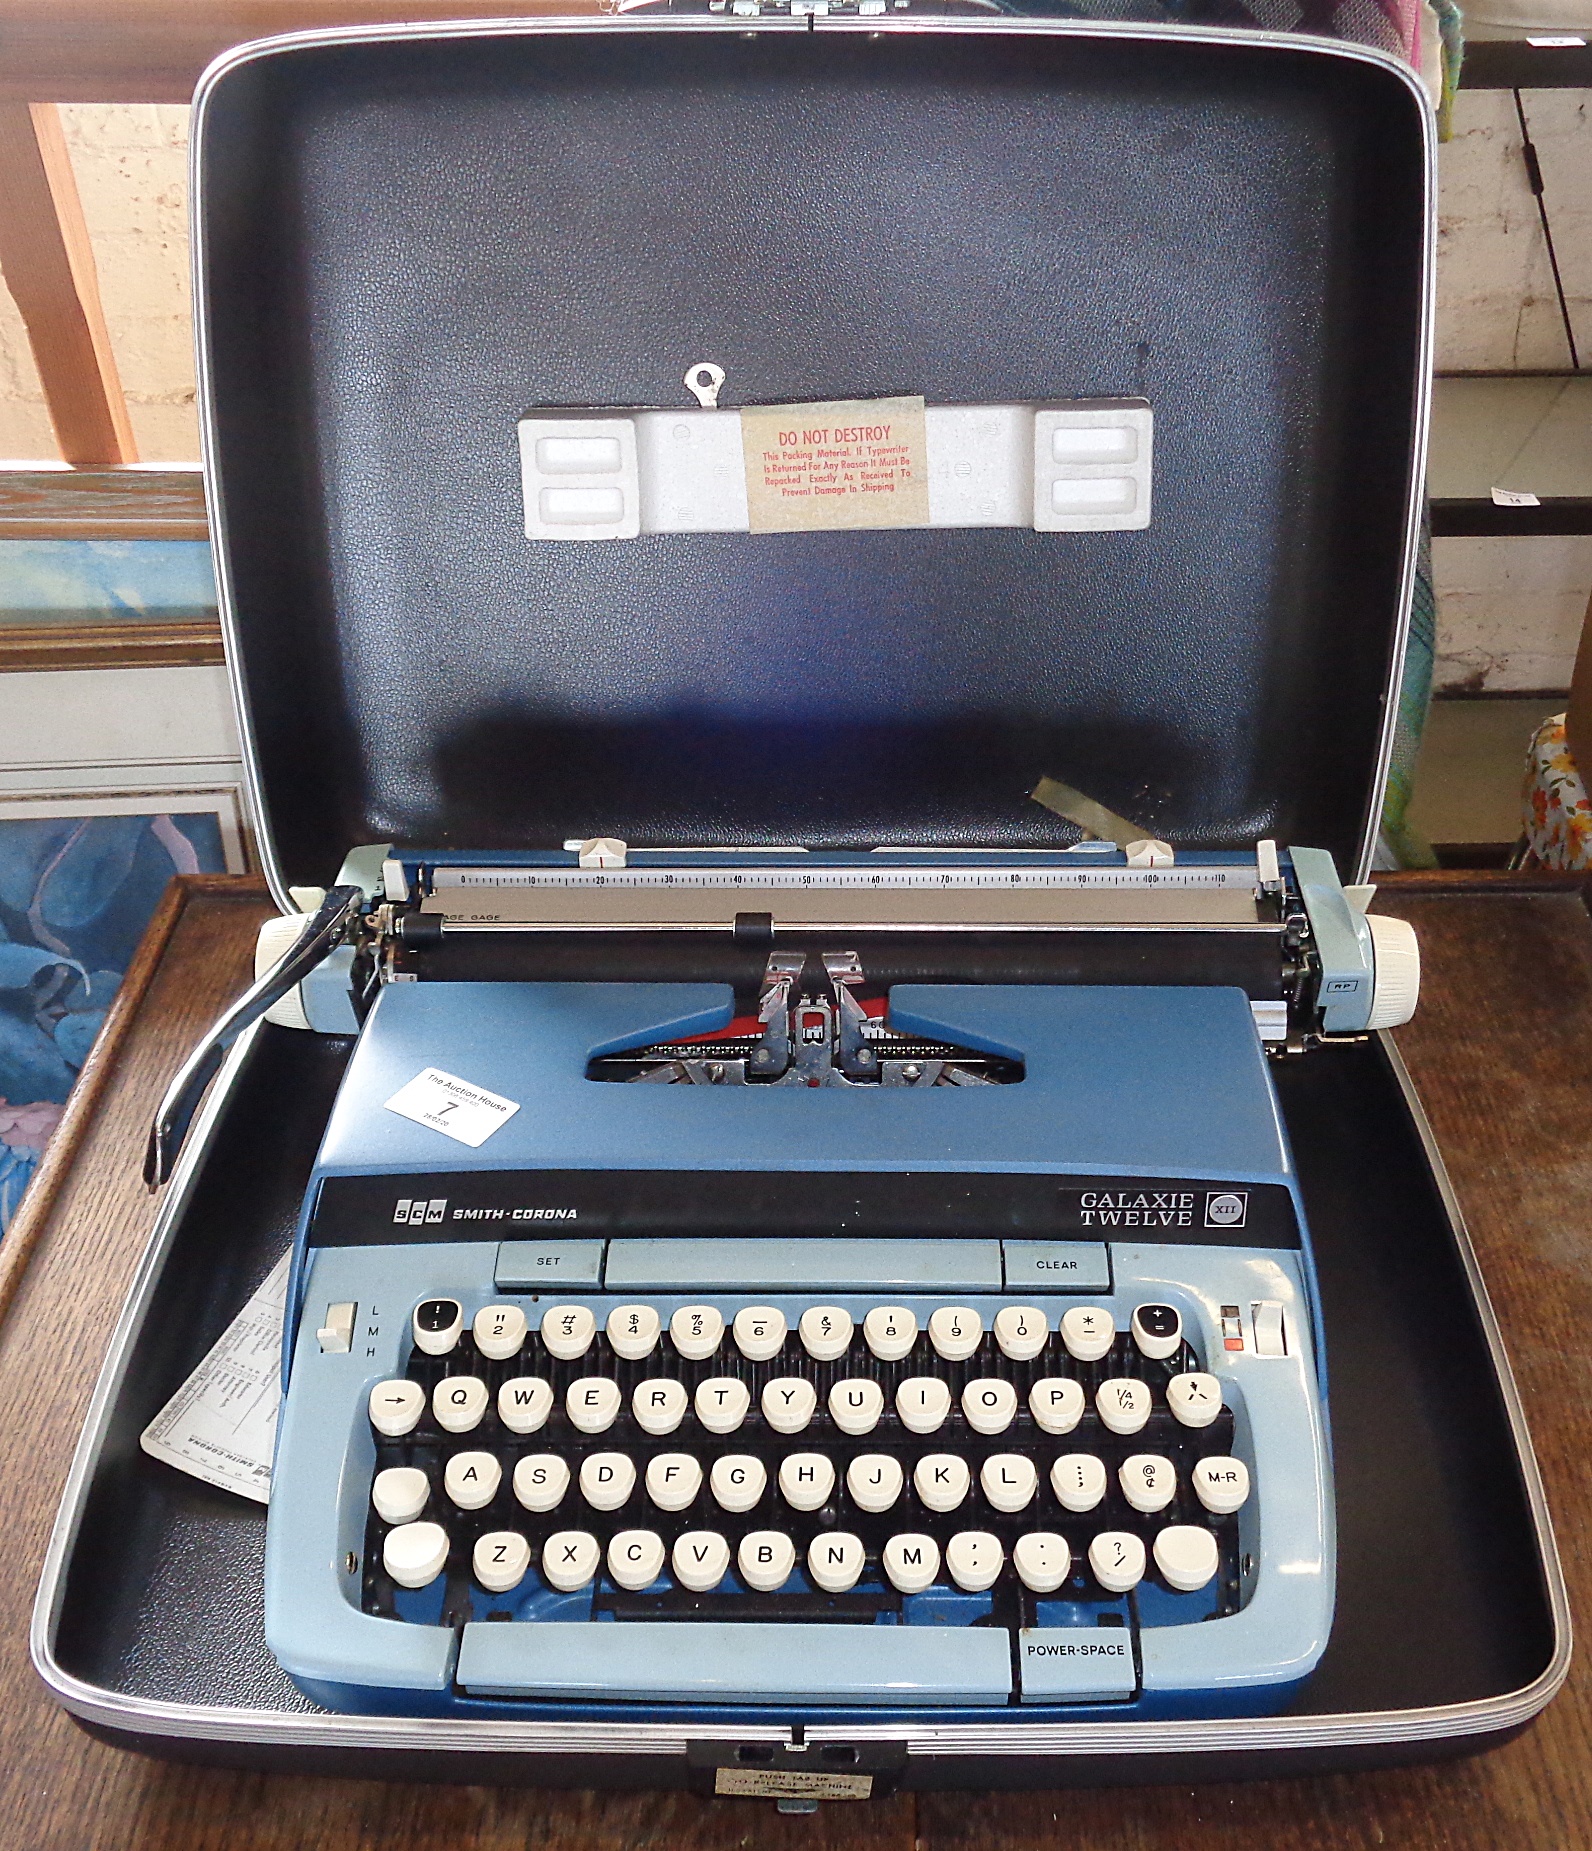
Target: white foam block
<point>693,472</point>
<point>981,461</point>
<point>1092,466</point>
<point>579,477</point>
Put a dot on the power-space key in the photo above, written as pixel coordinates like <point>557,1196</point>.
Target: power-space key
<point>725,1662</point>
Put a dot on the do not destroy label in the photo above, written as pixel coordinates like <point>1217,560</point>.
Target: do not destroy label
<point>845,463</point>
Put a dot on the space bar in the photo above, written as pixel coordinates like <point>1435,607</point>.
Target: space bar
<point>723,1662</point>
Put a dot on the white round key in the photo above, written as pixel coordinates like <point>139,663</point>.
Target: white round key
<point>737,1481</point>
<point>1221,1485</point>
<point>593,1403</point>
<point>458,1402</point>
<point>1009,1481</point>
<point>923,1402</point>
<point>700,1560</point>
<point>956,1332</point>
<point>472,1479</point>
<point>874,1481</point>
<point>1117,1559</point>
<point>1056,1403</point>
<point>500,1559</point>
<point>633,1331</point>
<point>499,1330</point>
<point>1021,1332</point>
<point>400,1493</point>
<point>974,1559</point>
<point>1195,1398</point>
<point>942,1480</point>
<point>989,1404</point>
<point>697,1331</point>
<point>540,1481</point>
<point>396,1407</point>
<point>1042,1560</point>
<point>1158,1331</point>
<point>789,1403</point>
<point>673,1480</point>
<point>1148,1481</point>
<point>826,1332</point>
<point>1078,1480</point>
<point>835,1561</point>
<point>765,1560</point>
<point>524,1403</point>
<point>911,1563</point>
<point>759,1332</point>
<point>635,1558</point>
<point>415,1554</point>
<point>567,1331</point>
<point>607,1479</point>
<point>890,1332</point>
<point>659,1405</point>
<point>569,1559</point>
<point>1123,1403</point>
<point>1088,1332</point>
<point>806,1480</point>
<point>855,1405</point>
<point>436,1325</point>
<point>1186,1555</point>
<point>721,1403</point>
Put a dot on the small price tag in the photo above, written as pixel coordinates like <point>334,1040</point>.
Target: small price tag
<point>1514,498</point>
<point>452,1106</point>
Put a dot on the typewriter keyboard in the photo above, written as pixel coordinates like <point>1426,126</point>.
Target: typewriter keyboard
<point>994,1464</point>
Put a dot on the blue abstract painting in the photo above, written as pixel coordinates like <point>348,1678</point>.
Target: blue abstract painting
<point>75,895</point>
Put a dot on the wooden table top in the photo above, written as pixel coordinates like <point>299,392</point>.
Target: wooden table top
<point>1502,1053</point>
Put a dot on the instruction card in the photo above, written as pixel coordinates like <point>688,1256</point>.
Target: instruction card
<point>846,463</point>
<point>452,1106</point>
<point>221,1424</point>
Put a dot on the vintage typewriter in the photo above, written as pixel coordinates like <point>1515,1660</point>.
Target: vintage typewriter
<point>812,1334</point>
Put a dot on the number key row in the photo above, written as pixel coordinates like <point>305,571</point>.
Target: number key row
<point>760,1331</point>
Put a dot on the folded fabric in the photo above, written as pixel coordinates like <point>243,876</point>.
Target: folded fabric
<point>1557,814</point>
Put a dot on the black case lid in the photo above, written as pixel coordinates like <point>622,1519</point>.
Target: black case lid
<point>409,237</point>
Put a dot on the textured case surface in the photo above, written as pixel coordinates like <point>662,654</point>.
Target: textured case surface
<point>404,245</point>
<point>161,1601</point>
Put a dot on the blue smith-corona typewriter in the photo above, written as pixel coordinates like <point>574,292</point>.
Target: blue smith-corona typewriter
<point>844,1340</point>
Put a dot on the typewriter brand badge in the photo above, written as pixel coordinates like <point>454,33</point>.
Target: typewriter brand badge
<point>1229,1209</point>
<point>452,1106</point>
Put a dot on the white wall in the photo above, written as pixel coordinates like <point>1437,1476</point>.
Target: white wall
<point>115,730</point>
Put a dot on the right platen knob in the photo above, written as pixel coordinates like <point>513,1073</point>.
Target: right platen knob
<point>1396,985</point>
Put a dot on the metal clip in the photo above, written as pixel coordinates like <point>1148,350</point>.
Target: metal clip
<point>857,1060</point>
<point>702,381</point>
<point>771,1057</point>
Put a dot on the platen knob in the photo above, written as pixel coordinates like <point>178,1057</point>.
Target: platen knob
<point>1397,965</point>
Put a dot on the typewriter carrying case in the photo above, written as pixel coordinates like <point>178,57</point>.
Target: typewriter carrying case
<point>407,238</point>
